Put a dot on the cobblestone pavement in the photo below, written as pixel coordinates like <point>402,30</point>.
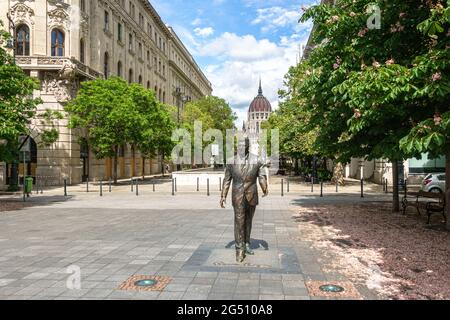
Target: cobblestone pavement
<point>185,238</point>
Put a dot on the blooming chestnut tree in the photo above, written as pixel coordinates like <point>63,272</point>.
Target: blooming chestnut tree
<point>374,92</point>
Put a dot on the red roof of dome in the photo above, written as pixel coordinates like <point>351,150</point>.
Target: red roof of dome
<point>260,103</point>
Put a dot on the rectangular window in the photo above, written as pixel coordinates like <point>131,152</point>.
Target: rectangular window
<point>119,32</point>
<point>130,42</point>
<point>106,24</point>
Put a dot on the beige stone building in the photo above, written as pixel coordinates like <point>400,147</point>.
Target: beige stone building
<point>65,42</point>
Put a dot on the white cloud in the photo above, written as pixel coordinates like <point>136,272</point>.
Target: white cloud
<point>276,17</point>
<point>197,22</point>
<point>204,32</point>
<point>243,59</point>
<point>240,48</point>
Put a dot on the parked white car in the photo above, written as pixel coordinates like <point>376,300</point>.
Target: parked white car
<point>434,182</point>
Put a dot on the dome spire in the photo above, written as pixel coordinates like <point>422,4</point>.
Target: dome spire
<point>260,92</point>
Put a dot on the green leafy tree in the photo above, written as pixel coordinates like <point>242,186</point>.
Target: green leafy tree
<point>18,108</point>
<point>212,112</point>
<point>105,110</point>
<point>430,75</point>
<point>114,113</point>
<point>17,105</point>
<point>365,100</point>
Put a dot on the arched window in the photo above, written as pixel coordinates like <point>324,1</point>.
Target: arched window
<point>130,76</point>
<point>82,56</point>
<point>119,68</point>
<point>23,40</point>
<point>57,43</point>
<point>148,84</point>
<point>106,65</point>
<point>164,97</point>
<point>140,79</point>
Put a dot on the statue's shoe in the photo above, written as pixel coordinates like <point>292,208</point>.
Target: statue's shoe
<point>240,255</point>
<point>248,250</point>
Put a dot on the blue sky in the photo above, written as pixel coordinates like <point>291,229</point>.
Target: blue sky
<point>237,41</point>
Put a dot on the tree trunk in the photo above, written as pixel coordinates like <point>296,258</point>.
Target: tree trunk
<point>395,193</point>
<point>447,187</point>
<point>162,164</point>
<point>116,151</point>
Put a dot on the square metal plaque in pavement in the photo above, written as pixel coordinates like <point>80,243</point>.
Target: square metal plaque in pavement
<point>281,260</point>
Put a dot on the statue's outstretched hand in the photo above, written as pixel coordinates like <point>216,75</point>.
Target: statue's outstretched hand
<point>222,203</point>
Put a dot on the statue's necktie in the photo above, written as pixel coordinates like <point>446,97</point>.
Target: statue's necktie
<point>245,166</point>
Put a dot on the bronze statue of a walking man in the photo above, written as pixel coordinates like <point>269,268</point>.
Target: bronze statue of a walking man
<point>244,175</point>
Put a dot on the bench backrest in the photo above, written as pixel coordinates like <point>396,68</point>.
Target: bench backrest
<point>432,195</point>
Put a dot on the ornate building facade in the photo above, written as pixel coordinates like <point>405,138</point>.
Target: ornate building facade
<point>65,42</point>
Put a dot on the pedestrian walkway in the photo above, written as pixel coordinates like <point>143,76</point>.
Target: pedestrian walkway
<point>182,245</point>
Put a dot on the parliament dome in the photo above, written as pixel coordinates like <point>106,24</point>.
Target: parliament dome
<point>260,103</point>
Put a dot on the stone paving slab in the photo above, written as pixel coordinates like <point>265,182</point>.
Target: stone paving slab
<point>186,238</point>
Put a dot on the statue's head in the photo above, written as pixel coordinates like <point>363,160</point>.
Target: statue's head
<point>244,147</point>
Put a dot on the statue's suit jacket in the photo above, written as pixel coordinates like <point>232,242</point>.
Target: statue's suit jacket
<point>244,182</point>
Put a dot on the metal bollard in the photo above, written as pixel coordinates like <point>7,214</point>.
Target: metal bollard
<point>65,187</point>
<point>406,187</point>
<point>137,187</point>
<point>101,188</point>
<point>207,186</point>
<point>110,185</point>
<point>87,185</point>
<point>176,187</point>
<point>42,187</point>
<point>220,183</point>
<point>198,184</point>
<point>287,185</point>
<point>362,188</point>
<point>132,184</point>
<point>321,189</point>
<point>153,186</point>
<point>312,185</point>
<point>282,187</point>
<point>173,187</point>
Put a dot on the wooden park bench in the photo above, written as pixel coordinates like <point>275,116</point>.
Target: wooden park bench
<point>431,202</point>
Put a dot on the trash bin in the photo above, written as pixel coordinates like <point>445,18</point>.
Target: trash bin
<point>28,185</point>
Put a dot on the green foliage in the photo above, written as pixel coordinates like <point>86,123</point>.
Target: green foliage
<point>113,113</point>
<point>50,134</point>
<point>212,112</point>
<point>17,105</point>
<point>324,175</point>
<point>362,91</point>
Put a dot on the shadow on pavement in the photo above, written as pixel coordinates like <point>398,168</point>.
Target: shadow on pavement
<point>14,204</point>
<point>254,244</point>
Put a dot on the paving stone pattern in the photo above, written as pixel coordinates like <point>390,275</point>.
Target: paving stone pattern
<point>186,238</point>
